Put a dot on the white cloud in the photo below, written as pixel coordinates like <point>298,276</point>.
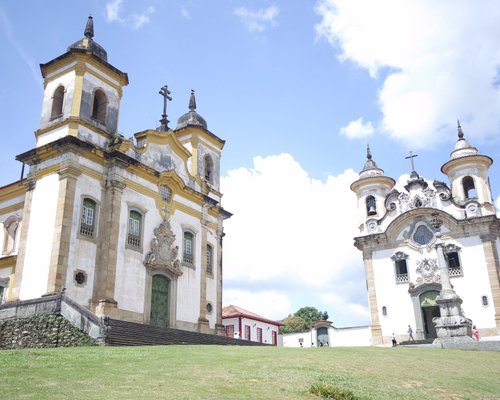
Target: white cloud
<point>132,21</point>
<point>5,25</point>
<point>357,129</point>
<point>258,21</point>
<point>268,304</point>
<point>112,10</point>
<point>437,61</point>
<point>291,234</point>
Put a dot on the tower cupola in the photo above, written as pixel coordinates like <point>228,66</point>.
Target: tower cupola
<point>467,171</point>
<point>191,117</point>
<point>371,189</point>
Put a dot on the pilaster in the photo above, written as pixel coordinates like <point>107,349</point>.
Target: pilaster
<point>107,250</point>
<point>202,320</point>
<point>376,329</point>
<point>218,268</point>
<point>59,258</point>
<point>23,235</point>
<point>493,268</point>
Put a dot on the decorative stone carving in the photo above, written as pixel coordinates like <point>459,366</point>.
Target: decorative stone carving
<point>163,254</point>
<point>428,269</point>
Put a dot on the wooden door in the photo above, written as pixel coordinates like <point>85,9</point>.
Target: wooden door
<point>159,301</point>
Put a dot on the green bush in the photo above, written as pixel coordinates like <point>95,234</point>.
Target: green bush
<point>332,392</point>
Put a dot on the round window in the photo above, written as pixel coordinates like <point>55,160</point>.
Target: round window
<point>80,278</point>
<point>209,307</point>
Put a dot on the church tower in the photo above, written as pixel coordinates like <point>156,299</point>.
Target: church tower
<point>82,94</point>
<point>81,101</point>
<point>371,188</point>
<point>192,131</point>
<point>467,171</point>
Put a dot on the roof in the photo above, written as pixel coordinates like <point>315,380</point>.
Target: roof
<point>235,311</point>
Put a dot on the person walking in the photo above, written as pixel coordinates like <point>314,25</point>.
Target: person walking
<point>410,333</point>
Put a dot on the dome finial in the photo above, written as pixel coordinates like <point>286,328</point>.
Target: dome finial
<point>192,101</point>
<point>368,152</point>
<point>89,28</point>
<point>460,132</point>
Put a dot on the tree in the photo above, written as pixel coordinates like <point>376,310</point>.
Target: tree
<point>311,314</point>
<point>292,324</point>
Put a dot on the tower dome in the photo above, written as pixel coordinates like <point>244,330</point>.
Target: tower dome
<point>88,44</point>
<point>191,117</point>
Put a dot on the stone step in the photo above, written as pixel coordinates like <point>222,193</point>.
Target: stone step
<point>123,333</point>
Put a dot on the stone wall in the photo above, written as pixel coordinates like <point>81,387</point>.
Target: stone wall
<point>41,331</point>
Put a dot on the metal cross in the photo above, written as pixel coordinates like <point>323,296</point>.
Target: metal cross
<point>411,157</point>
<point>166,96</point>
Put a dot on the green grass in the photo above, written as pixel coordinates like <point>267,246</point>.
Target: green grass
<point>229,372</point>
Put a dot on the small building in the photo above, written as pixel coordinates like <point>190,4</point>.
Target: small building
<point>324,334</point>
<point>246,325</point>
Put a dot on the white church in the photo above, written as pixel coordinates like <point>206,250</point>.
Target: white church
<point>128,228</point>
<point>397,238</point>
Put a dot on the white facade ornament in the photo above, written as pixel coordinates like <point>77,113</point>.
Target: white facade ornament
<point>163,254</point>
<point>427,269</point>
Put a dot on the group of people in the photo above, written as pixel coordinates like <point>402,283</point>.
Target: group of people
<point>475,335</point>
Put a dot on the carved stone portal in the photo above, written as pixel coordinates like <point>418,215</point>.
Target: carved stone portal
<point>163,254</point>
<point>428,271</point>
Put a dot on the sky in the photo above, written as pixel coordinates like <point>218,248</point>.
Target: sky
<point>297,88</point>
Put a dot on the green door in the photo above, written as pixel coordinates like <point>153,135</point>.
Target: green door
<point>159,301</point>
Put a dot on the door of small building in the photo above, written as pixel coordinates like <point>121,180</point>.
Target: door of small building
<point>322,336</point>
<point>159,301</point>
<point>430,310</point>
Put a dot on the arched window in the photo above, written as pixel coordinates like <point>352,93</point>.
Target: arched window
<point>208,169</point>
<point>10,227</point>
<point>188,248</point>
<point>484,300</point>
<point>99,106</point>
<point>88,218</point>
<point>400,266</point>
<point>469,187</point>
<point>134,236</point>
<point>210,259</point>
<point>166,193</point>
<point>57,102</point>
<point>371,205</point>
<point>453,260</point>
<point>384,311</point>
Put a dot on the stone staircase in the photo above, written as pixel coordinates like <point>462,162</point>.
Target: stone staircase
<point>122,333</point>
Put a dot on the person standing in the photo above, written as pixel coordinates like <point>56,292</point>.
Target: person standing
<point>475,333</point>
<point>394,343</point>
<point>410,333</point>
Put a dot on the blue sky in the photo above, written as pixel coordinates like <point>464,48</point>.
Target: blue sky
<point>297,89</point>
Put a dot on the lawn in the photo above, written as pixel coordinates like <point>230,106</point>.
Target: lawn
<point>230,372</point>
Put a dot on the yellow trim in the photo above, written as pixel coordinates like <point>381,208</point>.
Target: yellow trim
<point>8,261</point>
<point>81,60</point>
<point>195,133</point>
<point>77,92</point>
<point>73,123</point>
<point>12,191</point>
<point>47,171</point>
<point>12,208</point>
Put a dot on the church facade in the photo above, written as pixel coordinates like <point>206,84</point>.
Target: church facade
<point>128,228</point>
<point>398,237</point>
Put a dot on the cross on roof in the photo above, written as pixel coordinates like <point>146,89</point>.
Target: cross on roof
<point>411,157</point>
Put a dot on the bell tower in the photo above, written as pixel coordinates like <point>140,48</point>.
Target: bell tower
<point>205,147</point>
<point>371,189</point>
<point>467,171</point>
<point>82,94</point>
